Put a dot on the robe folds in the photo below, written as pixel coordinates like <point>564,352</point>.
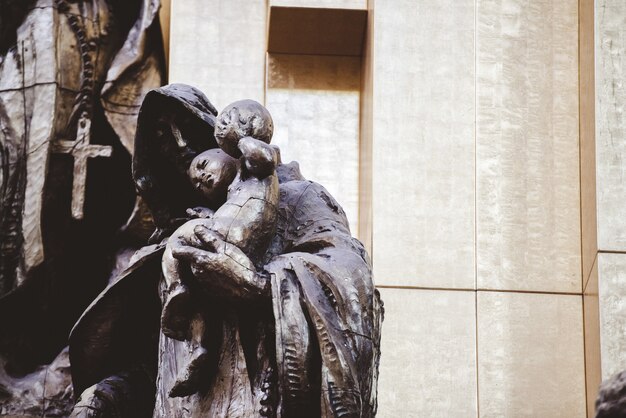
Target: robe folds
<point>324,325</point>
<point>62,61</point>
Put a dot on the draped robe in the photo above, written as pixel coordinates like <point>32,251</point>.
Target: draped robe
<point>325,320</point>
<point>52,265</point>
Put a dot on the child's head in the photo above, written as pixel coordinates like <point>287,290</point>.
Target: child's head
<point>611,400</point>
<point>241,119</point>
<point>211,172</point>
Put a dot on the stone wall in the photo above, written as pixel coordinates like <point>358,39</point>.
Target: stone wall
<point>610,43</point>
<point>476,207</point>
<point>462,144</point>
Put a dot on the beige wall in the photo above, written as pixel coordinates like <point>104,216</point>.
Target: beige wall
<point>611,125</point>
<point>219,47</point>
<point>466,138</point>
<point>476,191</point>
<point>428,354</point>
<point>423,187</point>
<point>527,161</point>
<point>314,102</point>
<point>610,134</point>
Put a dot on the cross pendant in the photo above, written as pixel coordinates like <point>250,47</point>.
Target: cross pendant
<point>81,150</point>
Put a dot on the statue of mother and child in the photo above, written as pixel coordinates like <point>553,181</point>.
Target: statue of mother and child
<point>252,297</point>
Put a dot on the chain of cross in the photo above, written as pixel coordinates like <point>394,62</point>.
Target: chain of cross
<point>81,149</point>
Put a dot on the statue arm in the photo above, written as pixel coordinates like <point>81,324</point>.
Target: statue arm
<point>260,158</point>
<point>223,267</point>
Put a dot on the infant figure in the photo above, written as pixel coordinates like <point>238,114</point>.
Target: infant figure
<point>247,189</point>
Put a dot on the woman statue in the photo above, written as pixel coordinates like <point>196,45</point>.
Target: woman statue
<point>297,336</point>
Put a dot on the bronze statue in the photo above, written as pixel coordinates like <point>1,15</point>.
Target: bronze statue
<point>255,301</point>
<point>247,220</point>
<point>611,402</point>
<point>73,74</point>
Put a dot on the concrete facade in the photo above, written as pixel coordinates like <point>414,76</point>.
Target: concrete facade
<point>467,144</point>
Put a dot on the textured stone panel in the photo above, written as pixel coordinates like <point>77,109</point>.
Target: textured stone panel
<point>530,355</point>
<point>612,295</point>
<point>428,363</point>
<point>527,159</point>
<point>611,123</point>
<point>314,102</point>
<point>219,47</point>
<point>423,143</point>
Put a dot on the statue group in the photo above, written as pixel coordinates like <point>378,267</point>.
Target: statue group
<point>253,299</point>
<point>212,279</point>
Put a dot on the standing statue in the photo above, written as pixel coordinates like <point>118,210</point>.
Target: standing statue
<point>252,298</point>
<point>73,74</point>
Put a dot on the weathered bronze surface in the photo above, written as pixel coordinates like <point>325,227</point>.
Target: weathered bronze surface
<point>611,402</point>
<point>73,74</point>
<point>252,297</point>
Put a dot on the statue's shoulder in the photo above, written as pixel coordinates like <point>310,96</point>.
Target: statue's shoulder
<point>304,203</point>
<point>289,172</point>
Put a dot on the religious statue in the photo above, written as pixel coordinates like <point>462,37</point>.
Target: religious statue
<point>73,74</point>
<point>251,297</point>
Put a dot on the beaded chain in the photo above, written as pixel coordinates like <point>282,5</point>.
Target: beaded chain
<point>83,104</point>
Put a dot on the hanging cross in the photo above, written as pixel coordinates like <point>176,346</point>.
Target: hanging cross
<point>81,150</point>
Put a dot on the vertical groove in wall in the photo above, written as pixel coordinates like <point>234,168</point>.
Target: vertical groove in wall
<point>476,348</point>
<point>587,178</point>
<point>476,210</point>
<point>366,99</point>
<point>165,23</point>
<point>591,328</point>
<point>580,191</point>
<point>475,162</point>
<point>586,85</point>
<point>580,150</point>
<point>585,355</point>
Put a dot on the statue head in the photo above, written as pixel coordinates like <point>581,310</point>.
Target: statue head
<point>611,400</point>
<point>175,123</point>
<point>240,119</point>
<point>211,172</point>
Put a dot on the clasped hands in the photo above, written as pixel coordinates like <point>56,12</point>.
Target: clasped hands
<point>222,267</point>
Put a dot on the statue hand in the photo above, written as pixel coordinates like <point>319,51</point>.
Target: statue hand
<point>222,267</point>
<point>200,212</point>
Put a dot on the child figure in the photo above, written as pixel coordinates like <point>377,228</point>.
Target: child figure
<point>247,219</point>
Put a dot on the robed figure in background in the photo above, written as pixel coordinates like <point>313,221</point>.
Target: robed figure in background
<point>296,335</point>
<point>72,77</point>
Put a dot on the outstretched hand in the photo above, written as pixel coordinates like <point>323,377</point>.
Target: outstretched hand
<point>221,266</point>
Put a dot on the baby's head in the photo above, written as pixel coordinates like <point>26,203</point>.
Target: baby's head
<point>240,119</point>
<point>211,172</point>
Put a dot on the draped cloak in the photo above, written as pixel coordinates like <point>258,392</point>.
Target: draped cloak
<point>323,326</point>
<point>51,265</point>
